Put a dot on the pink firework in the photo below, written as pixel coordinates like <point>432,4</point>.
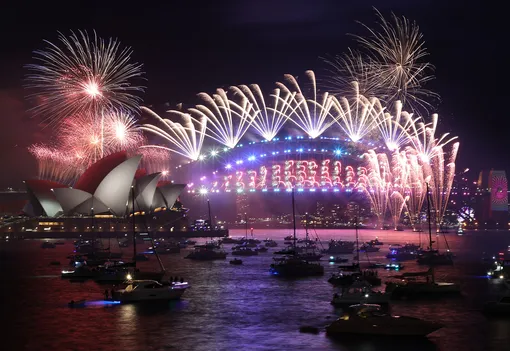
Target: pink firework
<point>156,159</point>
<point>120,131</point>
<point>83,73</point>
<point>54,164</point>
<point>81,136</point>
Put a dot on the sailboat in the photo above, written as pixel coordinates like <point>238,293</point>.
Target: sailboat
<point>293,265</point>
<point>137,273</point>
<point>430,256</point>
<point>307,252</point>
<point>350,273</point>
<point>210,250</point>
<point>409,286</point>
<point>244,249</point>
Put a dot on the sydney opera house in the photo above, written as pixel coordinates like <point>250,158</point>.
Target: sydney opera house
<point>104,199</point>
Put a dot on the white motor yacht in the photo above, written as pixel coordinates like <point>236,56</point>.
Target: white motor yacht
<point>149,290</point>
<point>369,319</point>
<point>360,292</point>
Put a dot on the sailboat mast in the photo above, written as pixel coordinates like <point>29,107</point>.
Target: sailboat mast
<point>429,216</point>
<point>294,220</point>
<point>246,226</point>
<point>134,224</point>
<point>357,237</point>
<point>210,216</point>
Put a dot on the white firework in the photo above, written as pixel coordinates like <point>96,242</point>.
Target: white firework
<point>310,114</point>
<point>270,119</point>
<point>185,139</point>
<point>227,119</point>
<point>358,115</point>
<point>393,128</point>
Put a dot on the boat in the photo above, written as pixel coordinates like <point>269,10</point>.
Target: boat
<point>207,252</point>
<point>48,245</point>
<point>149,290</point>
<point>236,261</point>
<point>288,238</point>
<point>338,247</point>
<point>402,254</point>
<point>375,242</point>
<point>337,259</point>
<point>370,320</point>
<point>79,273</point>
<point>430,256</point>
<point>244,251</point>
<point>293,265</point>
<point>409,285</point>
<point>231,240</point>
<point>270,243</point>
<point>460,231</point>
<point>498,308</point>
<point>261,249</point>
<point>360,292</point>
<point>307,252</point>
<point>394,266</point>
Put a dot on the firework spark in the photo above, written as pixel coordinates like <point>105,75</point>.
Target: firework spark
<point>227,120</point>
<point>357,116</point>
<point>393,128</point>
<point>376,183</point>
<point>424,141</point>
<point>83,75</point>
<point>185,139</point>
<point>120,131</point>
<point>395,55</point>
<point>54,164</point>
<point>311,115</point>
<point>156,159</point>
<point>268,119</point>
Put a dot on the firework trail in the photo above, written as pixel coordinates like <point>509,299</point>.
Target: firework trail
<point>357,116</point>
<point>311,115</point>
<point>185,139</point>
<point>399,178</point>
<point>348,68</point>
<point>377,185</point>
<point>55,165</point>
<point>268,120</point>
<point>227,120</point>
<point>424,141</point>
<point>394,128</point>
<point>83,75</point>
<point>442,173</point>
<point>415,189</point>
<point>395,54</point>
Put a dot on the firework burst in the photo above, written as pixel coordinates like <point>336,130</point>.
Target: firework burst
<point>310,114</point>
<point>83,75</point>
<point>393,128</point>
<point>424,141</point>
<point>357,116</point>
<point>268,119</point>
<point>395,55</point>
<point>185,139</point>
<point>227,120</point>
<point>120,131</point>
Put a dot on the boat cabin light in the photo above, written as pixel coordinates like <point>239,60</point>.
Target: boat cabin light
<point>129,277</point>
<point>501,277</point>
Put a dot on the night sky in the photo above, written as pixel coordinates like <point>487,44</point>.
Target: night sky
<point>192,46</point>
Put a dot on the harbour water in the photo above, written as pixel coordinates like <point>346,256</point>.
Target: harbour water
<point>230,307</point>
